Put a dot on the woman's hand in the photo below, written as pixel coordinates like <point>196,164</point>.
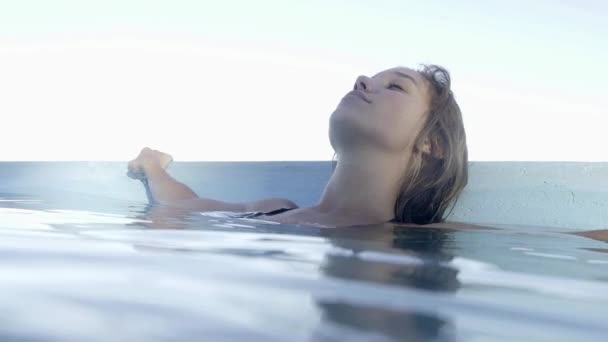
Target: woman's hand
<point>146,160</point>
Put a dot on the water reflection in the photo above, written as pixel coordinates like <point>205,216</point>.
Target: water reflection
<point>423,244</point>
<point>424,252</point>
<point>161,217</point>
<point>361,283</point>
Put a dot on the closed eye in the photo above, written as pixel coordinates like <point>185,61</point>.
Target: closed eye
<point>395,86</point>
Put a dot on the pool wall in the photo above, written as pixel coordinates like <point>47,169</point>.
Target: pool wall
<point>569,195</point>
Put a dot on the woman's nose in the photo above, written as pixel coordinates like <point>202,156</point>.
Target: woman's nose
<point>363,83</point>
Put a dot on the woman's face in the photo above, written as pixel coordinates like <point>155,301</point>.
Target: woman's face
<point>385,111</point>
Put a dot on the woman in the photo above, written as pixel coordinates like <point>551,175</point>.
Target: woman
<point>401,150</point>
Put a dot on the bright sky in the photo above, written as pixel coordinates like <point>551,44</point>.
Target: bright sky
<point>257,80</point>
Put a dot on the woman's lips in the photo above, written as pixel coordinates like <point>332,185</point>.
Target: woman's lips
<point>358,94</point>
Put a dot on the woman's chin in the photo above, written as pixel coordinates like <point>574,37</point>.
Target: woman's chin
<point>342,118</point>
<point>346,111</point>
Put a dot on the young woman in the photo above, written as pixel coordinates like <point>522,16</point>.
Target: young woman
<point>401,156</point>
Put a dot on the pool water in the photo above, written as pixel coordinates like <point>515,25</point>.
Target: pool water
<point>79,266</point>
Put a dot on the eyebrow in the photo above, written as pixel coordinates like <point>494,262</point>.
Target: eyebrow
<point>402,74</point>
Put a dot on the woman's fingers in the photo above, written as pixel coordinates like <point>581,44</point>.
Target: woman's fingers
<point>147,158</point>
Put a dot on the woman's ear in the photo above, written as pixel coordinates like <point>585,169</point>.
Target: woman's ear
<point>426,147</point>
<point>431,148</point>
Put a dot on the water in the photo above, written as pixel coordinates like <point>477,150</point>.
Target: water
<point>84,258</point>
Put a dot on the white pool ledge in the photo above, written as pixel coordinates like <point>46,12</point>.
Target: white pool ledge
<point>570,195</point>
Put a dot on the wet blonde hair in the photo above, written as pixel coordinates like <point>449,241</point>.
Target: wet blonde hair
<point>434,181</point>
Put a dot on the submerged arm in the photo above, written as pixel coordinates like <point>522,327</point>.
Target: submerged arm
<point>600,235</point>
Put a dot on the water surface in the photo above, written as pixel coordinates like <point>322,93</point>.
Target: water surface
<point>79,265</point>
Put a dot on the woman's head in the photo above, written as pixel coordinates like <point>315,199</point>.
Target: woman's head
<point>410,113</point>
<point>382,113</point>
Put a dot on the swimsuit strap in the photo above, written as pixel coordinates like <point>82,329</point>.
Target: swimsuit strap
<point>278,211</point>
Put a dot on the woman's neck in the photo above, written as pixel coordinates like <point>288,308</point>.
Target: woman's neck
<point>363,187</point>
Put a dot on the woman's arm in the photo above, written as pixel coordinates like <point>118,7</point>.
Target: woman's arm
<point>600,235</point>
<point>149,167</point>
